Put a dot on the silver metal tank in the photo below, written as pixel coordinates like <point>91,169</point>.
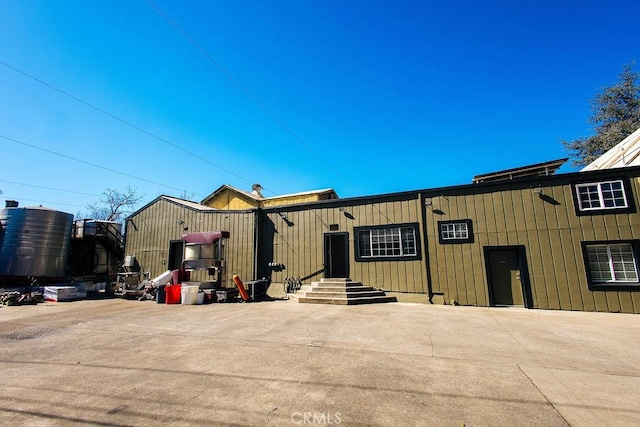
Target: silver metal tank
<point>34,241</point>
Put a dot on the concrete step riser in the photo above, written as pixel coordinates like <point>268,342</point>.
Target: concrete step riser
<point>340,294</point>
<point>323,286</point>
<point>333,285</point>
<point>342,284</point>
<point>336,289</point>
<point>346,301</point>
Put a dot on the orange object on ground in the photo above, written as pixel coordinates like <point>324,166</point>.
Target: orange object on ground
<point>240,286</point>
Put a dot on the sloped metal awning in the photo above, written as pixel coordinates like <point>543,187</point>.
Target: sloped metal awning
<point>205,237</point>
<point>538,169</point>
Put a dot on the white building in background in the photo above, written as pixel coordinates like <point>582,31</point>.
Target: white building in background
<point>624,154</point>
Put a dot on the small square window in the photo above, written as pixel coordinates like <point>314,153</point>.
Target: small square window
<point>458,231</point>
<point>602,197</point>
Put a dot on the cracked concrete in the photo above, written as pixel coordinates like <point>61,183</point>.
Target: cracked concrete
<point>122,363</point>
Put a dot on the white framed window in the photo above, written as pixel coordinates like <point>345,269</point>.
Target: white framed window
<point>601,195</point>
<point>612,263</point>
<point>457,231</point>
<point>387,242</point>
<point>451,231</point>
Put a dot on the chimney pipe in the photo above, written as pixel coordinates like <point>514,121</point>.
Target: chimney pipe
<point>256,190</point>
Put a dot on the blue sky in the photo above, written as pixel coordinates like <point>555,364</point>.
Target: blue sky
<point>366,97</point>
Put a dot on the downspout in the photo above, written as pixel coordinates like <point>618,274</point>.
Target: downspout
<point>256,242</point>
<point>423,209</point>
<point>125,230</point>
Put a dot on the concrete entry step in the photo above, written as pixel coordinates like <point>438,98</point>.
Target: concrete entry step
<point>345,301</point>
<point>322,288</point>
<point>337,284</point>
<point>341,291</point>
<point>341,294</point>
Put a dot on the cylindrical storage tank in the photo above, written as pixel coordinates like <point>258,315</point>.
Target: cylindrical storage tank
<point>34,242</point>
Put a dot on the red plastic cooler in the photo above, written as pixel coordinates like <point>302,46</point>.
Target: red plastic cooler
<point>173,294</point>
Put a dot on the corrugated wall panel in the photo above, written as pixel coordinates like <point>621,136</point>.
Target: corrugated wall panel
<point>559,269</point>
<point>534,257</point>
<point>626,302</point>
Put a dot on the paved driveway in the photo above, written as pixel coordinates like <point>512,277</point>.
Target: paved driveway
<point>120,363</point>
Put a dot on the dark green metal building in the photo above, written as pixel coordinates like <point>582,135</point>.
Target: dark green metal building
<point>567,241</point>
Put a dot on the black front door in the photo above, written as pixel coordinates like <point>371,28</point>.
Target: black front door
<point>336,255</point>
<point>507,276</point>
<point>176,252</point>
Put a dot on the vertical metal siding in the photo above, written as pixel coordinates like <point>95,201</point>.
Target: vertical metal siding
<point>301,246</point>
<point>159,223</point>
<point>551,233</point>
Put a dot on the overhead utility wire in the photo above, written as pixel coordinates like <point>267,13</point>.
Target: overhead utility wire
<point>41,202</point>
<point>49,188</point>
<point>90,164</point>
<point>113,116</point>
<point>246,91</point>
<point>255,99</point>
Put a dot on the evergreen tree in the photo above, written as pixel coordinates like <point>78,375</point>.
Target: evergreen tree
<point>615,115</point>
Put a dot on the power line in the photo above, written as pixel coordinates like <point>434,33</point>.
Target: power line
<point>49,188</point>
<point>121,120</point>
<point>251,96</point>
<point>91,164</point>
<point>247,92</point>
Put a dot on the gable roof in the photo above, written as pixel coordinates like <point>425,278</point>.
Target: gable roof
<point>175,200</point>
<point>304,193</point>
<point>188,203</point>
<point>625,153</point>
<point>257,198</point>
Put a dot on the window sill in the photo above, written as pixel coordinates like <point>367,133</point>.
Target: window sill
<point>605,211</point>
<point>456,241</point>
<point>389,258</point>
<point>630,286</point>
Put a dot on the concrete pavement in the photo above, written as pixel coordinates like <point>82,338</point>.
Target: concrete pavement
<point>120,363</point>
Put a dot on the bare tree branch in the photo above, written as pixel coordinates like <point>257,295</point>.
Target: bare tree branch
<point>114,205</point>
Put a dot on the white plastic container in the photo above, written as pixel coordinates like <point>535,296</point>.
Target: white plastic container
<point>65,293</point>
<point>200,298</point>
<point>189,294</point>
<point>163,279</point>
